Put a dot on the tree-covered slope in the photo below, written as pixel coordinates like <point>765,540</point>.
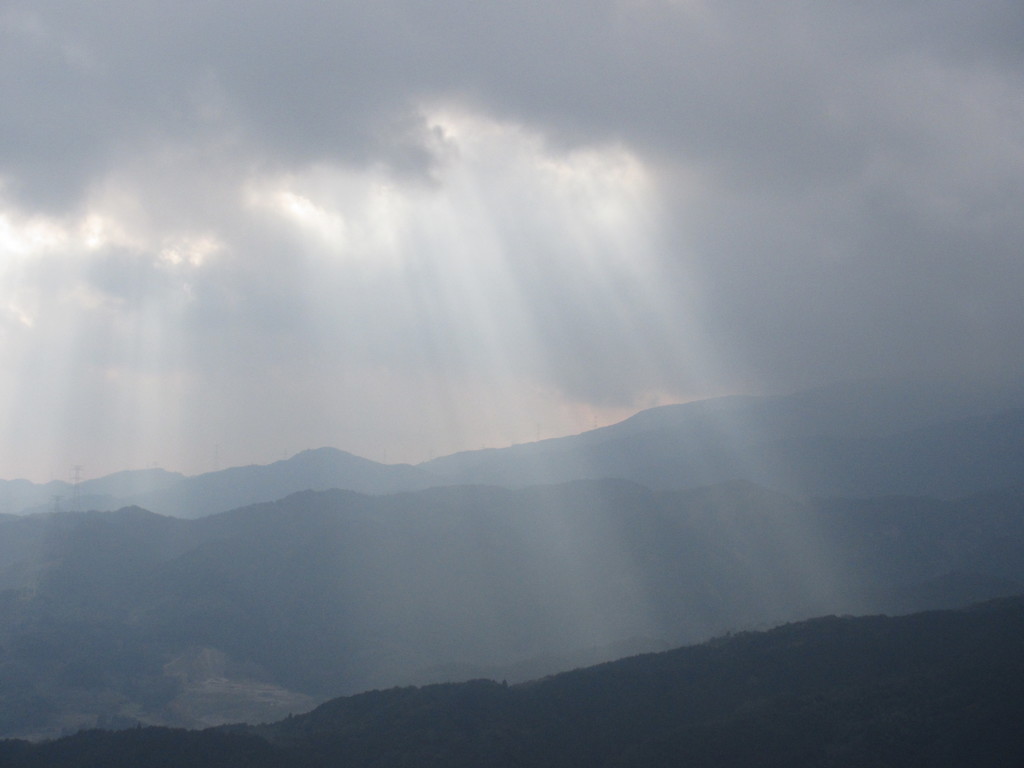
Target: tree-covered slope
<point>114,618</point>
<point>933,689</point>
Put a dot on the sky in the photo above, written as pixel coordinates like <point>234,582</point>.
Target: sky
<point>233,231</point>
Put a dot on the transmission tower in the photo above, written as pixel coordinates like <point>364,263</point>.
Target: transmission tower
<point>76,497</point>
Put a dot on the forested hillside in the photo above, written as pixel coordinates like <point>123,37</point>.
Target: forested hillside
<point>936,689</point>
<point>125,617</point>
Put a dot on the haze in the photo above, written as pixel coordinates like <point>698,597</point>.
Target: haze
<point>228,233</point>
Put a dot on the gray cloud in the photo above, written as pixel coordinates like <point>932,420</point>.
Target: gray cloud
<point>649,200</point>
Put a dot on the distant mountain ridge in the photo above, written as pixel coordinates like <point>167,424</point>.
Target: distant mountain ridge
<point>861,439</point>
<point>189,497</point>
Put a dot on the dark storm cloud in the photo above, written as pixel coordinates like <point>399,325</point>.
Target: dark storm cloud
<point>757,88</point>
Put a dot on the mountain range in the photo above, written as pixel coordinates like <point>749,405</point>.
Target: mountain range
<point>866,438</point>
<point>129,616</point>
<point>250,593</point>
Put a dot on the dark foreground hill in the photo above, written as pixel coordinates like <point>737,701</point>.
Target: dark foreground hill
<point>932,689</point>
<point>115,618</point>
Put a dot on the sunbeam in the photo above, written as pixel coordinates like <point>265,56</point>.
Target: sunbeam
<point>519,283</point>
<point>94,340</point>
<point>377,344</point>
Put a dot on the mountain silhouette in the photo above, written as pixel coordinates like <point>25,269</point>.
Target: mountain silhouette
<point>864,438</point>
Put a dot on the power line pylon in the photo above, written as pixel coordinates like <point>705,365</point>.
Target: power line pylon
<point>76,477</point>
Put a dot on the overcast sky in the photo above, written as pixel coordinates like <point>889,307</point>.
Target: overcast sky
<point>231,231</point>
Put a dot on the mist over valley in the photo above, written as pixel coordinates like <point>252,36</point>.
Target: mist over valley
<point>371,578</point>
